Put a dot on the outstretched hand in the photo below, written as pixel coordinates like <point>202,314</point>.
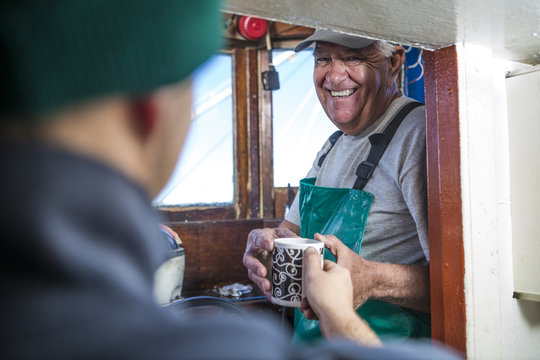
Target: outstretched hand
<point>328,289</point>
<point>330,297</point>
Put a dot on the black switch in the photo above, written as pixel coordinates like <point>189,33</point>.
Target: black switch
<point>270,79</point>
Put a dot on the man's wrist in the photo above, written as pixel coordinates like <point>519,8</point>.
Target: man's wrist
<point>368,283</point>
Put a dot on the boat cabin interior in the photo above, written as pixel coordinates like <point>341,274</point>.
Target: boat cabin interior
<point>460,49</point>
<point>266,120</point>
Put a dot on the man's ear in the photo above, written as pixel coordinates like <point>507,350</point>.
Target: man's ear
<point>146,111</point>
<point>396,61</point>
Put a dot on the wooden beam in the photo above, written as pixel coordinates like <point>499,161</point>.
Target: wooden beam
<point>266,145</point>
<point>241,132</point>
<point>197,213</point>
<point>253,75</point>
<point>447,268</point>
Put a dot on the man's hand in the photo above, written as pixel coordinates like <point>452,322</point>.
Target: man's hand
<point>363,272</point>
<point>258,255</point>
<point>403,285</point>
<point>329,294</point>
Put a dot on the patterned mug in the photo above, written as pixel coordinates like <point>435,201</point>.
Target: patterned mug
<point>288,269</point>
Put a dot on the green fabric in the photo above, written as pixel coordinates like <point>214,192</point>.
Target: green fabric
<point>57,52</point>
<point>343,213</point>
<point>333,211</point>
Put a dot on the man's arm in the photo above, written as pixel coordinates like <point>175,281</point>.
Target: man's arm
<point>403,285</point>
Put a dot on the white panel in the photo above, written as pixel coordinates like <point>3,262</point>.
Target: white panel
<point>524,142</point>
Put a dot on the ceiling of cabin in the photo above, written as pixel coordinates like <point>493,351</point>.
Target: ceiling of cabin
<point>510,27</point>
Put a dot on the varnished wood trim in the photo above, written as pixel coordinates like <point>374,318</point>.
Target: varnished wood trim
<point>177,214</point>
<point>266,144</point>
<point>283,31</point>
<point>281,195</point>
<point>253,126</point>
<point>214,250</point>
<point>444,198</point>
<point>241,132</point>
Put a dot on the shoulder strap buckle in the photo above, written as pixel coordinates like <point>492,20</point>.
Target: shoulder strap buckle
<point>365,169</point>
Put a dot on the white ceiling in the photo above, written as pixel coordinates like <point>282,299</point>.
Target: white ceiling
<point>510,27</point>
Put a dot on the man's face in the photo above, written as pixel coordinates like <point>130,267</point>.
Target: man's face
<point>353,85</point>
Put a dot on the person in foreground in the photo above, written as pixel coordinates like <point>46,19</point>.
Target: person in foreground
<point>367,188</point>
<point>94,108</point>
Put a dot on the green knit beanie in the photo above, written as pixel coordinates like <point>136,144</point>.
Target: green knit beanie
<point>57,52</point>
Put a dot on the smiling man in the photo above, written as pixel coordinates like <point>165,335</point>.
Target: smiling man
<point>366,191</point>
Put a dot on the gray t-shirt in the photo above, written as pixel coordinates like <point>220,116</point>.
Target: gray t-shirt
<point>396,228</point>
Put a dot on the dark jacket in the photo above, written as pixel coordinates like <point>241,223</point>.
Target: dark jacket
<point>80,244</point>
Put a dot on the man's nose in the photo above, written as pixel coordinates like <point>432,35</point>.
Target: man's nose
<point>337,72</point>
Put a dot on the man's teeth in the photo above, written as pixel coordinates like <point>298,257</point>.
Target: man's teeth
<point>342,93</point>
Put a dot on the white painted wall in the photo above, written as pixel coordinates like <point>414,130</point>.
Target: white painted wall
<point>498,326</point>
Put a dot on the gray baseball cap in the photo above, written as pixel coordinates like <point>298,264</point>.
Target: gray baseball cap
<point>350,41</point>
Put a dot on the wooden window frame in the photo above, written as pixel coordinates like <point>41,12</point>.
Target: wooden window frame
<point>246,199</point>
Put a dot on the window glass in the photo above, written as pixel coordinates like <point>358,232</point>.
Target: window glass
<point>204,171</point>
<point>300,126</point>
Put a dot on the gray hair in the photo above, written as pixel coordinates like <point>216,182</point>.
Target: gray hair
<point>385,48</point>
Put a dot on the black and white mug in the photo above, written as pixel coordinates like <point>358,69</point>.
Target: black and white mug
<point>288,269</point>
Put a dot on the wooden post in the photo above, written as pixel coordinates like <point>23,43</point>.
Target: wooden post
<point>444,198</point>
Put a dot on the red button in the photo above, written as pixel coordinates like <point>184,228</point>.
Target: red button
<point>252,28</point>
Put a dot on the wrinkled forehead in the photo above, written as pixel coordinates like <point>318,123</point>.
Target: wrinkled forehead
<point>323,47</point>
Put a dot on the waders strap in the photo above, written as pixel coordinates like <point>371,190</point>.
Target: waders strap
<point>333,139</point>
<point>379,142</point>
